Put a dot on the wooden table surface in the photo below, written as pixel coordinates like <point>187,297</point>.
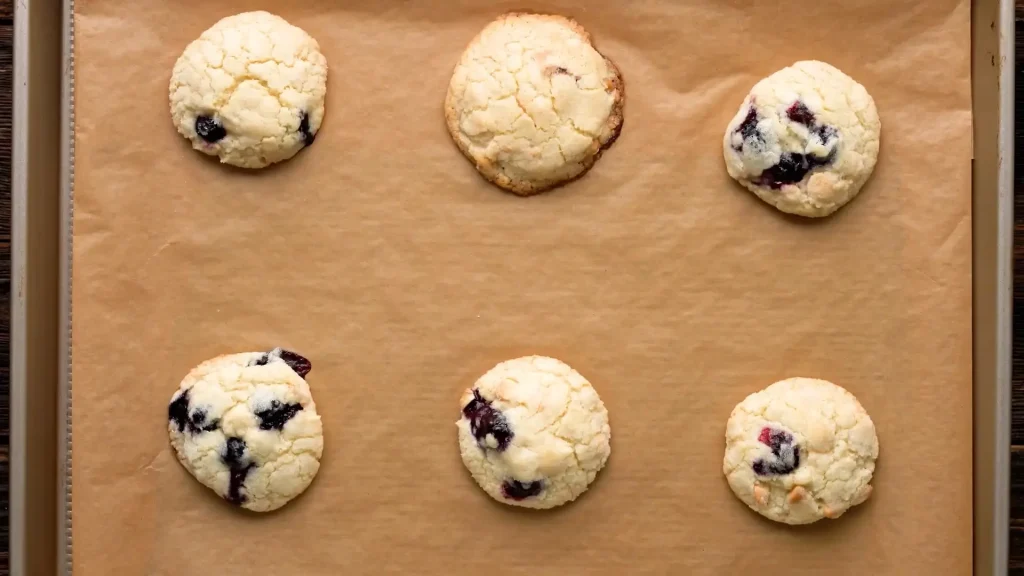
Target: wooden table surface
<point>6,105</point>
<point>6,73</point>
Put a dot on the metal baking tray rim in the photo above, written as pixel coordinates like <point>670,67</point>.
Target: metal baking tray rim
<point>40,510</point>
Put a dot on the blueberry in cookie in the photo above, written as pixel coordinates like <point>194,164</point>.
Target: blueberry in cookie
<point>245,426</point>
<point>250,90</point>
<point>533,432</point>
<point>805,139</point>
<point>800,450</point>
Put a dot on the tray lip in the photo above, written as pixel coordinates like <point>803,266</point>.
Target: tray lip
<point>997,549</point>
<point>992,268</point>
<point>67,193</point>
<point>19,257</point>
<point>33,339</point>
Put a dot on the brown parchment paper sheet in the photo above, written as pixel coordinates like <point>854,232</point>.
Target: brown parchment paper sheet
<point>381,255</point>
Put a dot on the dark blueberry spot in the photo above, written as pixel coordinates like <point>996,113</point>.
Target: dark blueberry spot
<point>239,466</point>
<point>197,422</point>
<point>484,421</point>
<point>234,451</point>
<point>748,128</point>
<point>786,454</point>
<point>209,130</point>
<point>826,133</point>
<point>298,363</point>
<point>275,417</point>
<point>177,411</point>
<point>792,168</point>
<point>799,113</point>
<point>516,490</point>
<point>307,136</point>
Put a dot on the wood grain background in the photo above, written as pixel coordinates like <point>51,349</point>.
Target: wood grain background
<point>6,105</point>
<point>6,73</point>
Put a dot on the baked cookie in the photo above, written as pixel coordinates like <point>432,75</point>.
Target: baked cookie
<point>800,450</point>
<point>245,426</point>
<point>250,90</point>
<point>805,139</point>
<point>532,104</point>
<point>533,432</point>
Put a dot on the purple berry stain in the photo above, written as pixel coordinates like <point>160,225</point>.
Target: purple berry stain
<point>785,454</point>
<point>177,411</point>
<point>485,420</point>
<point>748,128</point>
<point>800,114</point>
<point>239,467</point>
<point>209,130</point>
<point>195,420</point>
<point>275,417</point>
<point>307,136</point>
<point>516,490</point>
<point>793,167</point>
<point>298,363</point>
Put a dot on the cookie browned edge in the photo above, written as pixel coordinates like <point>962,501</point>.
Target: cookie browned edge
<point>614,124</point>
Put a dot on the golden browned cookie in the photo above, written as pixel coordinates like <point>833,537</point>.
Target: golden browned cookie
<point>532,103</point>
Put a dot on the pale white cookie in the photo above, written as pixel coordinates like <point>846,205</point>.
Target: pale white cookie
<point>250,90</point>
<point>532,104</point>
<point>805,139</point>
<point>533,432</point>
<point>800,450</point>
<point>245,426</point>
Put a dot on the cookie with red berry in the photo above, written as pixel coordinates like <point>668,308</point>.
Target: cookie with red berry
<point>805,139</point>
<point>800,450</point>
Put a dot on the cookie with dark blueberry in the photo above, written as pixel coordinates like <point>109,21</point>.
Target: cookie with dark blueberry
<point>800,450</point>
<point>231,402</point>
<point>805,139</point>
<point>785,453</point>
<point>533,432</point>
<point>487,424</point>
<point>516,490</point>
<point>296,362</point>
<point>277,65</point>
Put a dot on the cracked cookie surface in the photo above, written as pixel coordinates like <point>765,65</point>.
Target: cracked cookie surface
<point>250,90</point>
<point>805,139</point>
<point>532,103</point>
<point>245,426</point>
<point>533,432</point>
<point>800,450</point>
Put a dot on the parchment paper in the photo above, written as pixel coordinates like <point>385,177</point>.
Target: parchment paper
<point>381,255</point>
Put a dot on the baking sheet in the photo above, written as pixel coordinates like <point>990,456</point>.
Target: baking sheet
<point>383,257</point>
